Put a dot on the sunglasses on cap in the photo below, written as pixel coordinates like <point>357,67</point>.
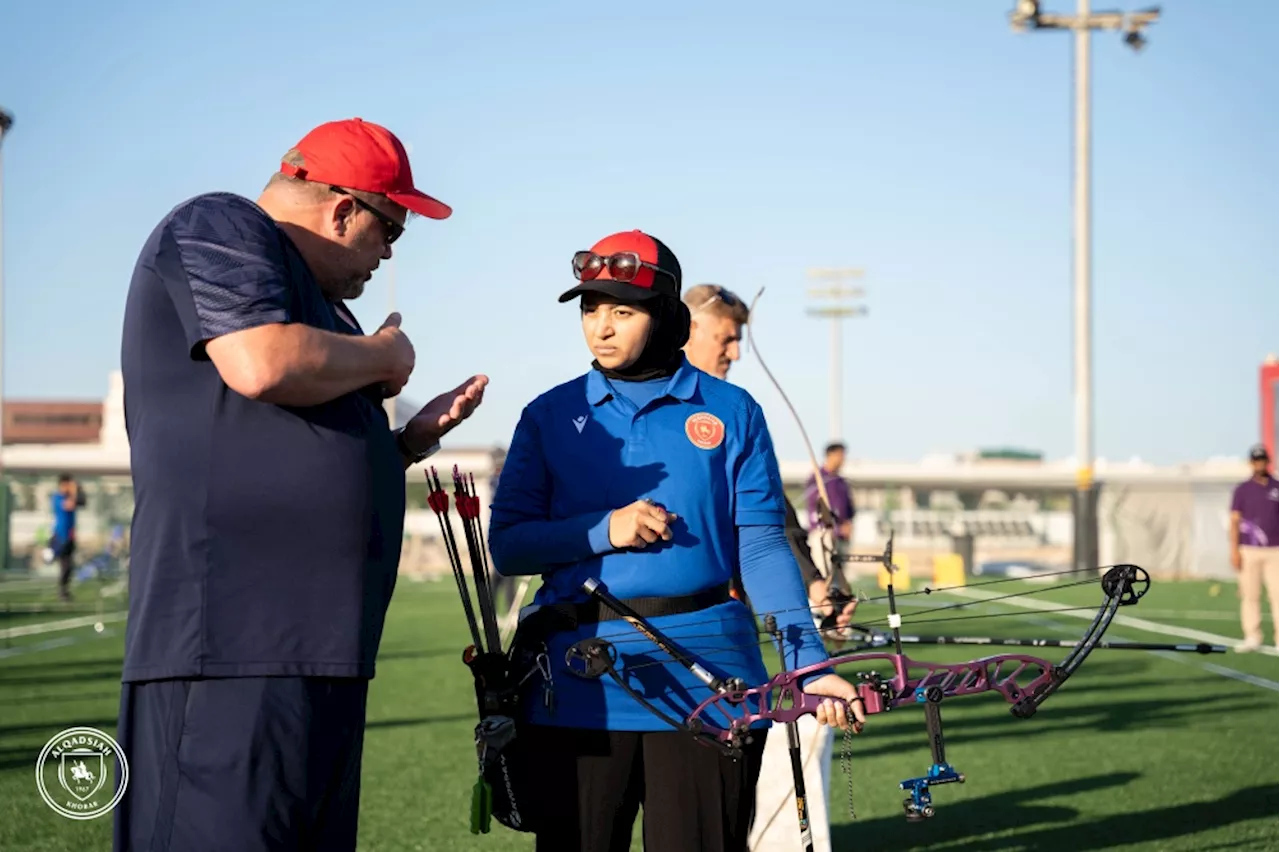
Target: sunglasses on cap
<point>391,229</point>
<point>622,266</point>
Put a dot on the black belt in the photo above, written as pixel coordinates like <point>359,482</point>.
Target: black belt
<point>554,618</point>
<point>593,611</point>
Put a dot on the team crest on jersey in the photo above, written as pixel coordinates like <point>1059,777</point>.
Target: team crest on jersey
<point>705,431</point>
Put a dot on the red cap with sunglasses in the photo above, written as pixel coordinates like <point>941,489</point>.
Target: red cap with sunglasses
<point>359,154</point>
<point>628,265</point>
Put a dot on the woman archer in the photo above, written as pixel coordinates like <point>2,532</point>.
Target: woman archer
<point>659,481</point>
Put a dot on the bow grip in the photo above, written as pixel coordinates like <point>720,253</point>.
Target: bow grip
<point>794,703</point>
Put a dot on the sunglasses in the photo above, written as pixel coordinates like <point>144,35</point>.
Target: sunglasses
<point>391,229</point>
<point>622,266</point>
<point>722,295</point>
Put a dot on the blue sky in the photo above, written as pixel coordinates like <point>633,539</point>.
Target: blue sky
<point>924,142</point>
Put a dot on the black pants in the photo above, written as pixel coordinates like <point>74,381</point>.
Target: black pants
<point>593,783</point>
<point>65,552</point>
<point>247,764</point>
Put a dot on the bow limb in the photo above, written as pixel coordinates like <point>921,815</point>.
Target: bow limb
<point>825,517</point>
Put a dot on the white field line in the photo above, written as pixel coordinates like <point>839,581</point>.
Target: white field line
<point>50,644</point>
<point>1182,658</point>
<point>1172,656</point>
<point>61,624</point>
<point>1126,620</point>
<point>1244,677</point>
<point>1198,614</point>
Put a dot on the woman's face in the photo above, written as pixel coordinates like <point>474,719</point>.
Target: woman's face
<point>615,334</point>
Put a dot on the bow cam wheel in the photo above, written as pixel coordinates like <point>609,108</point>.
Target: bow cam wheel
<point>1128,581</point>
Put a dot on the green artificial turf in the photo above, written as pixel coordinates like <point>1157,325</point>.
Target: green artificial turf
<point>1138,751</point>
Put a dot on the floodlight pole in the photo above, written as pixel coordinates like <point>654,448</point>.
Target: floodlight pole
<point>6,122</point>
<point>1027,14</point>
<point>836,314</point>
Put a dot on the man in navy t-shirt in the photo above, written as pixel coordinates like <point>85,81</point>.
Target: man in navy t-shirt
<point>270,498</point>
<point>1255,534</point>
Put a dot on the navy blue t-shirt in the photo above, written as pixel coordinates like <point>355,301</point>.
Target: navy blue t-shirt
<point>265,538</point>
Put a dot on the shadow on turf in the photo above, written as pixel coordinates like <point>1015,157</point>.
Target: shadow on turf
<point>78,673</point>
<point>12,757</point>
<point>973,817</point>
<point>61,697</point>
<point>420,654</point>
<point>46,666</point>
<point>965,821</point>
<point>426,720</point>
<point>1134,716</point>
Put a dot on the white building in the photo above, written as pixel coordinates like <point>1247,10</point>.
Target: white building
<point>1171,520</point>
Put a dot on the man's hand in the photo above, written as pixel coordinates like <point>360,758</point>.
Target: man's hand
<point>401,356</point>
<point>820,602</point>
<point>1235,558</point>
<point>640,524</point>
<point>833,712</point>
<point>439,416</point>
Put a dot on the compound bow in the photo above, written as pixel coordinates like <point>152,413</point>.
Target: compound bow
<point>725,720</point>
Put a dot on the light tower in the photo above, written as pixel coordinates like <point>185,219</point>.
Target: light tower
<point>836,313</point>
<point>1027,14</point>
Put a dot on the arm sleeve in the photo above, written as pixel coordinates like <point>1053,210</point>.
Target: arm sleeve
<point>522,537</point>
<point>772,581</point>
<point>1237,501</point>
<point>235,274</point>
<point>798,538</point>
<point>758,495</point>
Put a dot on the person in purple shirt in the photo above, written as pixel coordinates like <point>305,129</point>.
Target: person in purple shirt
<point>841,499</point>
<point>1255,532</point>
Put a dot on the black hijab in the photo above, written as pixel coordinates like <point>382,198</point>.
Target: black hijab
<point>663,352</point>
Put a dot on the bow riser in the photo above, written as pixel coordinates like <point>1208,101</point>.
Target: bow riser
<point>1005,674</point>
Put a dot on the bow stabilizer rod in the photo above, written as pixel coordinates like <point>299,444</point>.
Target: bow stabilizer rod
<point>597,590</point>
<point>793,745</point>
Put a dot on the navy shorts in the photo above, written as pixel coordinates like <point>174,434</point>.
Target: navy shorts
<point>247,764</point>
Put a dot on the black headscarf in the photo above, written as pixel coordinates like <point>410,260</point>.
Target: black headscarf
<point>663,351</point>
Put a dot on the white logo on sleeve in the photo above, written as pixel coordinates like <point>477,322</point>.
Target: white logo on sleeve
<point>580,422</point>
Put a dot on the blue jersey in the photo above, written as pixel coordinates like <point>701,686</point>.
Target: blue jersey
<point>64,519</point>
<point>697,446</point>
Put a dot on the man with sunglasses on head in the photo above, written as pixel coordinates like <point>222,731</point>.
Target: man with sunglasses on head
<point>717,318</point>
<point>270,499</point>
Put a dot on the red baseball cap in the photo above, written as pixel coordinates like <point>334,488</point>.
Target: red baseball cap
<point>647,283</point>
<point>359,154</point>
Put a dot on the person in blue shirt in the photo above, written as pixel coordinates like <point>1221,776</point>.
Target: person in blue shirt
<point>64,502</point>
<point>719,316</point>
<point>658,480</point>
